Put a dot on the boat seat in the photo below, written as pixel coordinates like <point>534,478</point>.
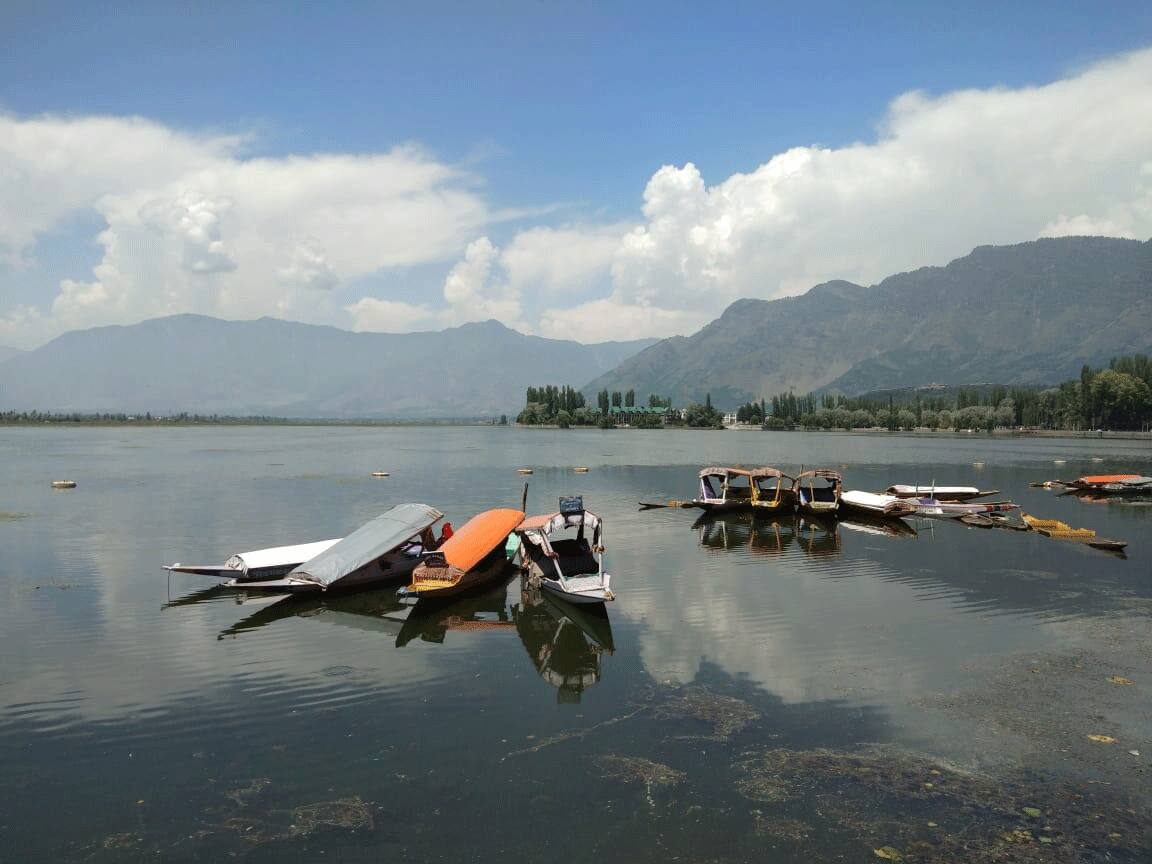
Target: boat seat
<point>575,558</point>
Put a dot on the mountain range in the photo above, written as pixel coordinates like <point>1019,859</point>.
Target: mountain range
<point>1032,313</point>
<point>271,367</point>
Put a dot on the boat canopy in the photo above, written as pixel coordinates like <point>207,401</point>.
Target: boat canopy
<point>826,473</point>
<point>278,556</point>
<point>757,473</point>
<point>937,491</point>
<point>479,536</point>
<point>725,472</point>
<point>1094,480</point>
<point>367,543</point>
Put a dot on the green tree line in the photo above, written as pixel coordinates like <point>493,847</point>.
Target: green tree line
<point>1118,397</point>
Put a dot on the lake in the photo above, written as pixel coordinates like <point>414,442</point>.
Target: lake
<point>760,690</point>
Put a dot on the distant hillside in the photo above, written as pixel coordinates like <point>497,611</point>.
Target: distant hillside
<point>1026,314</point>
<point>271,367</point>
<point>6,352</point>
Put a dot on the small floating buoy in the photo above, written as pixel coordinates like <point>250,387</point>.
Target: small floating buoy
<point>380,474</point>
<point>523,470</point>
<point>63,484</point>
<point>1059,461</point>
<point>580,469</point>
<point>1097,458</point>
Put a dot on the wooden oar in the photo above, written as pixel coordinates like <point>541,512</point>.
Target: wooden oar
<point>684,505</point>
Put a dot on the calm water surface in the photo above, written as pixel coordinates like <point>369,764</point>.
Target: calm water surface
<point>769,690</point>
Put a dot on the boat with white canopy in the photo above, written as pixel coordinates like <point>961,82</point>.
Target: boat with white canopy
<point>882,506</point>
<point>569,566</point>
<point>387,548</point>
<point>258,564</point>
<point>940,493</point>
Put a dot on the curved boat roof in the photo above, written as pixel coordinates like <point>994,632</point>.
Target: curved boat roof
<point>1108,478</point>
<point>821,472</point>
<point>768,472</point>
<point>549,522</point>
<point>479,536</point>
<point>367,543</point>
<point>725,472</point>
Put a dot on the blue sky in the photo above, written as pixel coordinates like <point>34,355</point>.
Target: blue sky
<point>559,114</point>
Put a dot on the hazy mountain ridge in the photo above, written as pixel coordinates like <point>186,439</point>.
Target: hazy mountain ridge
<point>200,364</point>
<point>1028,313</point>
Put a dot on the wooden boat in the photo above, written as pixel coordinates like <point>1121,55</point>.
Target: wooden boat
<point>934,508</point>
<point>572,567</point>
<point>1058,530</point>
<point>724,488</point>
<point>470,557</point>
<point>821,499</point>
<point>940,493</point>
<point>383,550</point>
<point>879,506</point>
<point>770,494</point>
<point>259,564</point>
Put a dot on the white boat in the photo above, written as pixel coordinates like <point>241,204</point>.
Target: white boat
<point>940,493</point>
<point>260,563</point>
<point>571,567</point>
<point>387,548</point>
<point>937,509</point>
<point>884,506</point>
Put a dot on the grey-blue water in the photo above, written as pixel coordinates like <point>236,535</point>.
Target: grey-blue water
<point>761,690</point>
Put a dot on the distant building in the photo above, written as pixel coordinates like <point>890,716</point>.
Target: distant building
<point>730,418</point>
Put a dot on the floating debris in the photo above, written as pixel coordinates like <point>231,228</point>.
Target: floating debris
<point>63,484</point>
<point>12,517</point>
<point>1117,679</point>
<point>633,769</point>
<point>524,471</point>
<point>569,736</point>
<point>1102,739</point>
<point>888,853</point>
<point>581,469</point>
<point>350,814</point>
<point>126,840</point>
<point>381,474</point>
<point>243,794</point>
<point>726,715</point>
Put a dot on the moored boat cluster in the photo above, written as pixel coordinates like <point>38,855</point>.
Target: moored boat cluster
<point>401,545</point>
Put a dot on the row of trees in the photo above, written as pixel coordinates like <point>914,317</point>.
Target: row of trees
<point>565,407</point>
<point>1118,397</point>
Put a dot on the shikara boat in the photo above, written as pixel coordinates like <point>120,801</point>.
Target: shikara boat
<point>936,508</point>
<point>1135,485</point>
<point>472,556</point>
<point>570,566</point>
<point>724,488</point>
<point>770,493</point>
<point>385,549</point>
<point>878,506</point>
<point>259,564</point>
<point>940,493</point>
<point>818,492</point>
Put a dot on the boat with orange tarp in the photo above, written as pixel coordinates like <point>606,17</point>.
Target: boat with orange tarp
<point>470,557</point>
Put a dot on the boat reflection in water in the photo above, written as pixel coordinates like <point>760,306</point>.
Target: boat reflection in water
<point>565,642</point>
<point>818,536</point>
<point>734,530</point>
